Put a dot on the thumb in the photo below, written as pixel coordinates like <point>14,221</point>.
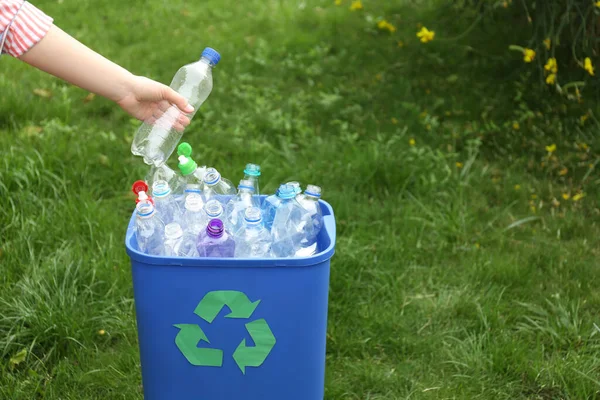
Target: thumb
<point>175,98</point>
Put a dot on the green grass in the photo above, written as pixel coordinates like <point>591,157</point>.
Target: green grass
<point>448,282</point>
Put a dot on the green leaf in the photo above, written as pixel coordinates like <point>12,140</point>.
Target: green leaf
<point>18,358</point>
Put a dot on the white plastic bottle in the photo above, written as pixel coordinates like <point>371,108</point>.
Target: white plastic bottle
<point>157,137</point>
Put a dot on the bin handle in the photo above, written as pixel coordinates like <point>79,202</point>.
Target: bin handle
<point>329,222</point>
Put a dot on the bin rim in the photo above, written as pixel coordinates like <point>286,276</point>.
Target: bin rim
<point>329,229</point>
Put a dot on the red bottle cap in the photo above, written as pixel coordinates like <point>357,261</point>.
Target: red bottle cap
<point>140,186</point>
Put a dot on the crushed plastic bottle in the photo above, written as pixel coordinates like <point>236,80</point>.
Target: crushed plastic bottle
<point>156,139</point>
<point>289,223</point>
<point>217,187</point>
<point>252,173</point>
<point>253,239</point>
<point>309,200</point>
<point>173,239</point>
<point>149,229</point>
<point>165,173</point>
<point>237,206</point>
<point>165,202</point>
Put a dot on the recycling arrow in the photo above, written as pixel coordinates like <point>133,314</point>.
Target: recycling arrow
<point>187,341</point>
<point>264,341</point>
<point>239,304</point>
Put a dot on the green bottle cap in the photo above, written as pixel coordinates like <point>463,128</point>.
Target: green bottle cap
<point>186,165</point>
<point>184,149</point>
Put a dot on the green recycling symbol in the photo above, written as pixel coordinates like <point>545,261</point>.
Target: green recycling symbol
<point>190,335</point>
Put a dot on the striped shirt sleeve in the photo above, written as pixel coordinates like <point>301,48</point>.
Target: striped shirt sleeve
<point>27,29</point>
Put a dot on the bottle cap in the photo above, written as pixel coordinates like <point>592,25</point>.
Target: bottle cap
<point>140,188</point>
<point>286,192</point>
<point>215,228</point>
<point>252,170</point>
<point>212,55</point>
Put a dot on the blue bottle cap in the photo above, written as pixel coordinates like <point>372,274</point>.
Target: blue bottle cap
<point>286,192</point>
<point>212,55</point>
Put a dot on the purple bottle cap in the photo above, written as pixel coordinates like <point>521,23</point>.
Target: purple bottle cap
<point>215,228</point>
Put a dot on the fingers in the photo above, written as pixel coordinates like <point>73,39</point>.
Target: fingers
<point>175,98</point>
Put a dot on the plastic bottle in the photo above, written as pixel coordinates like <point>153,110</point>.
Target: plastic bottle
<point>216,241</point>
<point>236,207</point>
<point>149,229</point>
<point>213,209</point>
<point>252,173</point>
<point>309,200</point>
<point>296,186</point>
<point>173,239</point>
<point>156,139</point>
<point>253,239</point>
<point>217,187</point>
<point>192,174</point>
<point>194,216</point>
<point>165,173</point>
<point>290,222</point>
<point>165,202</point>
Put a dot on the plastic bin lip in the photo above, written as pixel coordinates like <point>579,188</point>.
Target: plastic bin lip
<point>322,256</point>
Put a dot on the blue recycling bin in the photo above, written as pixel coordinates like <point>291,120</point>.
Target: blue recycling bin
<point>225,329</point>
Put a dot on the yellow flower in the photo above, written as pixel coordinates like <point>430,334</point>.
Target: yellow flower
<point>598,4</point>
<point>101,332</point>
<point>551,148</point>
<point>338,2</point>
<point>566,196</point>
<point>528,55</point>
<point>517,187</point>
<point>551,65</point>
<point>425,35</point>
<point>400,43</point>
<point>459,165</point>
<point>394,121</point>
<point>356,5</point>
<point>533,209</point>
<point>578,196</point>
<point>563,171</point>
<point>547,43</point>
<point>587,65</point>
<point>412,142</point>
<point>379,76</point>
<point>583,118</point>
<point>551,79</point>
<point>386,26</point>
<point>477,245</point>
<point>533,196</point>
<point>516,126</point>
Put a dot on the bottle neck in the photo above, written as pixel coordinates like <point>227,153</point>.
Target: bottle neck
<point>205,60</point>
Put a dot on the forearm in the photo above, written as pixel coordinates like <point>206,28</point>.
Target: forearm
<point>63,56</point>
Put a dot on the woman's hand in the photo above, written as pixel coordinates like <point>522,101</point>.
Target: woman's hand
<point>148,101</point>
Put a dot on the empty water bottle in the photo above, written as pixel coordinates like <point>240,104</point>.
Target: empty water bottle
<point>173,239</point>
<point>273,202</point>
<point>217,187</point>
<point>156,138</point>
<point>216,241</point>
<point>165,202</point>
<point>252,173</point>
<point>237,206</point>
<point>192,174</point>
<point>194,216</point>
<point>212,209</point>
<point>289,223</point>
<point>253,239</point>
<point>149,229</point>
<point>165,173</point>
<point>309,200</point>
<point>296,186</point>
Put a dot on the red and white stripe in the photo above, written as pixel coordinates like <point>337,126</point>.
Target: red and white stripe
<point>28,28</point>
